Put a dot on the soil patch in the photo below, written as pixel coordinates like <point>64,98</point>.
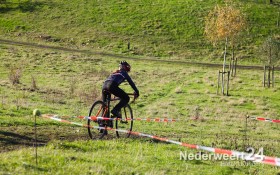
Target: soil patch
<point>17,137</point>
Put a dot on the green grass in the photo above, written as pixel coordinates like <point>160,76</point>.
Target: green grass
<point>69,82</point>
<point>124,157</point>
<point>164,29</point>
<point>178,91</point>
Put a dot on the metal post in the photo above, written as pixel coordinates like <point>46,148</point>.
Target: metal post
<point>245,133</point>
<point>35,130</point>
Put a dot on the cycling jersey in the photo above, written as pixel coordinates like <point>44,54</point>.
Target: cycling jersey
<point>120,76</point>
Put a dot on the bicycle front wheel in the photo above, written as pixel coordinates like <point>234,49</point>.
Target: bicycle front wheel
<point>126,123</point>
<point>98,109</point>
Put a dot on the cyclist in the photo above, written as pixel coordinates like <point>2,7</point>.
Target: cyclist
<point>112,83</point>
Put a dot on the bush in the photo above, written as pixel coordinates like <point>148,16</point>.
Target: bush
<point>15,75</point>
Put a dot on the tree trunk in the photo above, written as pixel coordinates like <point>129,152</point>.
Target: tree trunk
<point>278,19</point>
<point>218,83</point>
<point>225,54</point>
<point>269,66</point>
<point>233,63</point>
<point>224,66</point>
<point>228,74</point>
<point>264,76</point>
<point>268,77</point>
<point>235,67</point>
<point>273,80</point>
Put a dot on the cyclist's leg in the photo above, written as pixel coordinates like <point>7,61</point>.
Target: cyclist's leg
<point>105,94</point>
<point>124,99</point>
<point>105,90</point>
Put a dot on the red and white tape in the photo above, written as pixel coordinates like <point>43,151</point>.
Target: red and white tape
<point>105,118</point>
<point>242,155</point>
<point>265,119</point>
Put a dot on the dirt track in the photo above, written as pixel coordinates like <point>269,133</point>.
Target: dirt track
<point>19,43</point>
<point>17,137</point>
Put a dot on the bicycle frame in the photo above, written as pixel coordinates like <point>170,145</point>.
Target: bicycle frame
<point>107,101</point>
<point>101,108</point>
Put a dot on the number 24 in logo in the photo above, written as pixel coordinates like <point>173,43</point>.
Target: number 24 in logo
<point>253,155</point>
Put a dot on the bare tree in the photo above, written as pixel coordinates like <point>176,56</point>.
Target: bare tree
<point>270,51</point>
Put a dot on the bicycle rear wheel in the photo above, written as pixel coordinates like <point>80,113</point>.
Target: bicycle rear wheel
<point>98,109</point>
<point>126,123</point>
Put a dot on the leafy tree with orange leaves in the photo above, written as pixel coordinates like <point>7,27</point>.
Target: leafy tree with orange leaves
<point>224,23</point>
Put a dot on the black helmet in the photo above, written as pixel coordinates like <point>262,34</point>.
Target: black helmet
<point>124,66</point>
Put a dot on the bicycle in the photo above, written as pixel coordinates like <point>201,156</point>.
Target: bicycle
<point>101,110</point>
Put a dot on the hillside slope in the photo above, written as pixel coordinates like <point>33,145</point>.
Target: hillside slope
<point>171,29</point>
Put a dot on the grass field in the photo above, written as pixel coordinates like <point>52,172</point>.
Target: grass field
<point>164,29</point>
<point>60,53</point>
<point>68,83</point>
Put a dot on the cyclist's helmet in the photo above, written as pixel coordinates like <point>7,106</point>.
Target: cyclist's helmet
<point>125,66</point>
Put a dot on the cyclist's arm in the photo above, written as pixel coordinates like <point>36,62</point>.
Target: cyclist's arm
<point>132,84</point>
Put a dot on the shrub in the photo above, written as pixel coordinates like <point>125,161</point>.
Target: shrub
<point>15,75</point>
<point>33,84</point>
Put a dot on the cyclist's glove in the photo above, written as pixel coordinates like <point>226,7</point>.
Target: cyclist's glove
<point>136,95</point>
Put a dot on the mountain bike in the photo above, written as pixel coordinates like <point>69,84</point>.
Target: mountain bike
<point>105,121</point>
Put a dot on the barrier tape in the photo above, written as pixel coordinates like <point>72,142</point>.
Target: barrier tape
<point>104,118</point>
<point>242,155</point>
<point>265,119</point>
